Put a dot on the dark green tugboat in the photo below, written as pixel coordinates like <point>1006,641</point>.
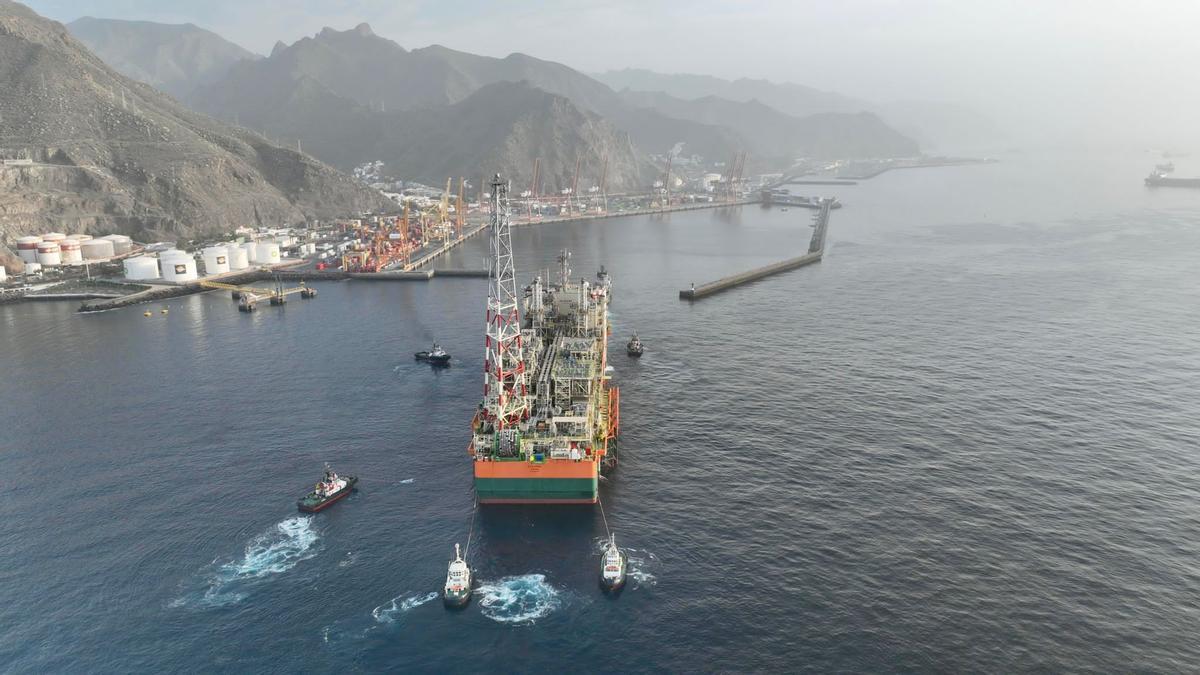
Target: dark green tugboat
<point>331,488</point>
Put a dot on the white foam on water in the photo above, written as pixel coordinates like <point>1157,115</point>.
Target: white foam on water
<point>638,569</point>
<point>277,550</point>
<point>406,481</point>
<point>518,600</point>
<point>393,610</point>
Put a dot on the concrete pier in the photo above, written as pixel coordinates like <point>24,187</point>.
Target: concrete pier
<point>816,249</point>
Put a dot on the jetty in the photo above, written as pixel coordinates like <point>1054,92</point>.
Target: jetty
<point>816,249</point>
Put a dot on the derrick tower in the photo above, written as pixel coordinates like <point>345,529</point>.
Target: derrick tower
<point>505,391</point>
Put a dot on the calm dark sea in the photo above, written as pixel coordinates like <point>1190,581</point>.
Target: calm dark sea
<point>966,441</point>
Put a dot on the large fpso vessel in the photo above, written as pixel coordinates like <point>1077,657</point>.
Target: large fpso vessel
<point>547,417</point>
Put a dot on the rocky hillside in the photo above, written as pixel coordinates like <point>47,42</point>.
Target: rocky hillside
<point>176,58</point>
<point>112,154</point>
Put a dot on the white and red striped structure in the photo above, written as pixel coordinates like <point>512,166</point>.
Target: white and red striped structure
<point>505,389</point>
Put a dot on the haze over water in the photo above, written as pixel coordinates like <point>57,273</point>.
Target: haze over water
<point>965,441</point>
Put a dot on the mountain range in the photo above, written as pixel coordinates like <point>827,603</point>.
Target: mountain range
<point>111,154</point>
<point>352,96</point>
<point>939,126</point>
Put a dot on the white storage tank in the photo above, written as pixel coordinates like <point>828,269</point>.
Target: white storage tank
<point>33,268</point>
<point>141,267</point>
<point>27,248</point>
<point>216,260</point>
<point>53,236</point>
<point>79,237</point>
<point>49,254</point>
<point>177,266</point>
<point>266,253</point>
<point>97,249</point>
<point>3,274</point>
<point>121,243</point>
<point>251,251</point>
<point>238,260</point>
<point>71,253</point>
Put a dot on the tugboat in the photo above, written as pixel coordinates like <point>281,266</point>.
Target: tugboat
<point>458,582</point>
<point>331,488</point>
<point>613,566</point>
<point>634,348</point>
<point>437,356</point>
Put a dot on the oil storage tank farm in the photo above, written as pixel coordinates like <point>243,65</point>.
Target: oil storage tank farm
<point>216,260</point>
<point>251,250</point>
<point>98,249</point>
<point>49,254</point>
<point>238,258</point>
<point>71,253</point>
<point>121,243</point>
<point>267,253</point>
<point>140,268</point>
<point>177,266</point>
<point>27,248</point>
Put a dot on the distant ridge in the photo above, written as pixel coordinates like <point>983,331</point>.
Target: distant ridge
<point>176,58</point>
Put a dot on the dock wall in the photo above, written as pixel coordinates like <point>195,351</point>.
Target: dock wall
<point>816,249</point>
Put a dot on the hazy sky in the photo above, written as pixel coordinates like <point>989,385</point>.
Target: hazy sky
<point>1049,68</point>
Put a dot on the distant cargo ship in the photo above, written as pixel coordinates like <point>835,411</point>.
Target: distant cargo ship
<point>1157,179</point>
<point>547,416</point>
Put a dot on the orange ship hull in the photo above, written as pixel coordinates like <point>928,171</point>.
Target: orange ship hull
<point>553,481</point>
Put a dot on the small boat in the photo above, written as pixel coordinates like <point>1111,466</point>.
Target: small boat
<point>458,582</point>
<point>436,356</point>
<point>613,566</point>
<point>634,347</point>
<point>331,488</point>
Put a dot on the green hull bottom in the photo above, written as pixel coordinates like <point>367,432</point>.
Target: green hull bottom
<point>536,490</point>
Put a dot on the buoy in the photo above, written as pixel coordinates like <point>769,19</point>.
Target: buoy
<point>146,314</point>
<point>164,310</point>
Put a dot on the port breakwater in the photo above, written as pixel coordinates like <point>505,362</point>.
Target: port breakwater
<point>816,250</point>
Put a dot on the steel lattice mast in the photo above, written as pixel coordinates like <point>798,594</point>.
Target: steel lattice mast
<point>505,393</point>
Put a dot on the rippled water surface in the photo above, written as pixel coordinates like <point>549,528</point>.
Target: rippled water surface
<point>967,440</point>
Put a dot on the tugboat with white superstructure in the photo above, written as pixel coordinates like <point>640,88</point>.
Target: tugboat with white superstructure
<point>458,582</point>
<point>331,488</point>
<point>613,567</point>
<point>437,356</point>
